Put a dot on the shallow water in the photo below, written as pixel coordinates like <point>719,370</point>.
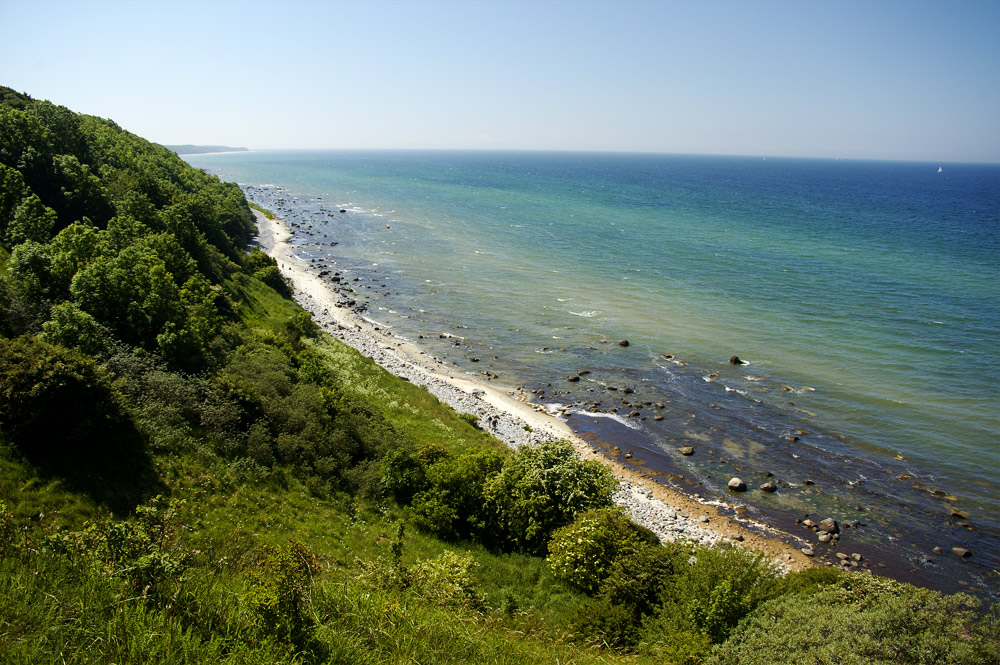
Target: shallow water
<point>863,295</point>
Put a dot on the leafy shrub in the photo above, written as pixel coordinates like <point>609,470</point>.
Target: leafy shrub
<point>447,580</point>
<point>606,623</point>
<point>452,506</point>
<point>71,327</point>
<point>582,553</point>
<point>142,552</point>
<point>272,276</point>
<point>403,475</point>
<point>861,620</point>
<point>541,488</point>
<point>716,590</point>
<point>38,380</point>
<point>8,529</point>
<point>810,580</point>
<point>280,594</point>
<point>638,579</point>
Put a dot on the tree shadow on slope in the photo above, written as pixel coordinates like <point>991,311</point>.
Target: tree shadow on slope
<point>60,412</point>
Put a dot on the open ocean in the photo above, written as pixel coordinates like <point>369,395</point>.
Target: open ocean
<point>864,296</point>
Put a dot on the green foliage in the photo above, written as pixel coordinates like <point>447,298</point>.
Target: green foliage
<point>71,250</point>
<point>719,588</point>
<point>132,292</point>
<point>73,328</point>
<point>272,276</point>
<point>12,192</point>
<point>861,620</point>
<point>638,579</point>
<point>452,505</point>
<point>582,553</point>
<point>279,598</point>
<point>402,475</point>
<point>32,220</point>
<point>447,580</point>
<point>142,552</point>
<point>542,488</point>
<point>37,380</point>
<point>8,529</point>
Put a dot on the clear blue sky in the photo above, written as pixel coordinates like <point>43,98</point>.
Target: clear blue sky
<point>868,79</point>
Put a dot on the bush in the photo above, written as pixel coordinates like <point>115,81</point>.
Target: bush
<point>607,624</point>
<point>582,553</point>
<point>39,380</point>
<point>716,590</point>
<point>541,488</point>
<point>447,580</point>
<point>142,552</point>
<point>271,276</point>
<point>861,620</point>
<point>70,326</point>
<point>638,579</point>
<point>279,599</point>
<point>403,475</point>
<point>452,506</point>
<point>8,529</point>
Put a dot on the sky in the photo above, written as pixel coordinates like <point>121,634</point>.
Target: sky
<point>872,79</point>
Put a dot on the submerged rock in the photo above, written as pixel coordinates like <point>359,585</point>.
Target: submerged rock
<point>737,485</point>
<point>769,487</point>
<point>686,451</point>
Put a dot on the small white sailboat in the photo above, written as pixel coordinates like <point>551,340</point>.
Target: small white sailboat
<point>939,169</point>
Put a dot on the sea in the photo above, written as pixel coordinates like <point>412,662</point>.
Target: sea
<point>831,327</point>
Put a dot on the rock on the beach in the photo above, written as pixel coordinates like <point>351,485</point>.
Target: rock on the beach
<point>686,450</point>
<point>829,525</point>
<point>961,552</point>
<point>573,378</point>
<point>737,485</point>
<point>769,487</point>
<point>624,342</point>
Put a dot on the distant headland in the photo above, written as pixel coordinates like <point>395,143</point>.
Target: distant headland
<point>201,149</point>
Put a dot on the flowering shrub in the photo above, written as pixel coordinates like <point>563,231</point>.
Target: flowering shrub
<point>582,553</point>
<point>541,488</point>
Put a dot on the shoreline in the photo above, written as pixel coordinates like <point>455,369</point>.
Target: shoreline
<point>504,412</point>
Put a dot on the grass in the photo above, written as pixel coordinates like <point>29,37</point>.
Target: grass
<point>409,407</point>
<point>259,305</point>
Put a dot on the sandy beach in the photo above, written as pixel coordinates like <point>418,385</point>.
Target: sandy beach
<point>505,412</point>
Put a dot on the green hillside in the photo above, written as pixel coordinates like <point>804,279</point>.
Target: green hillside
<point>191,472</point>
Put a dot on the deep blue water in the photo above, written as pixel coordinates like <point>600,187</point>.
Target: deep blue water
<point>865,297</point>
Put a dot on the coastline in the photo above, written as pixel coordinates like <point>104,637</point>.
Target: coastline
<point>505,412</point>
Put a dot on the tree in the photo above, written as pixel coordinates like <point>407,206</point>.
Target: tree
<point>32,220</point>
<point>133,293</point>
<point>12,192</point>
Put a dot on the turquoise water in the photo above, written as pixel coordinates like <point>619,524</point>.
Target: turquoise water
<point>865,297</point>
